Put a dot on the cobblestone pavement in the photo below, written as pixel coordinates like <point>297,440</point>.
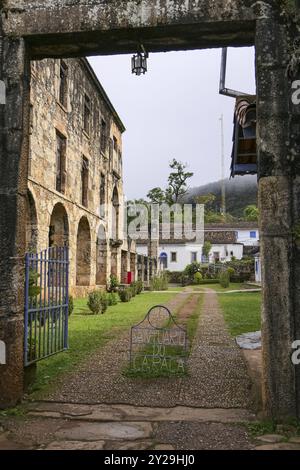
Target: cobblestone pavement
<point>98,408</point>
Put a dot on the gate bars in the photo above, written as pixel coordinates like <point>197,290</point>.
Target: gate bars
<point>46,303</point>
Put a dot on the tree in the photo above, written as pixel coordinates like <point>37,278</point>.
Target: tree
<point>156,196</point>
<point>251,213</point>
<point>178,181</point>
<point>177,185</point>
<point>208,200</point>
<point>206,249</point>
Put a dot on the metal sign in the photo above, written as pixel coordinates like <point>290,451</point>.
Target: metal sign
<point>158,344</point>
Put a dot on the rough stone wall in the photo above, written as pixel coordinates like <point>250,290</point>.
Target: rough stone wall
<point>117,26</point>
<point>48,118</point>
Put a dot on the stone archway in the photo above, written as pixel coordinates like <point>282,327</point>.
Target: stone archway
<point>101,257</point>
<point>31,224</point>
<point>39,30</point>
<point>59,227</point>
<point>83,255</point>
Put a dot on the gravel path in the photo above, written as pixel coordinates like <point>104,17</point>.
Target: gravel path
<point>217,373</point>
<point>96,407</point>
<point>100,378</point>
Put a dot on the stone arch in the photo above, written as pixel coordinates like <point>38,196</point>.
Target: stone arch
<point>83,256</point>
<point>59,226</point>
<point>115,214</point>
<point>101,257</point>
<point>31,223</point>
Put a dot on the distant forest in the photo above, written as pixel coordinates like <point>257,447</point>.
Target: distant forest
<point>240,192</point>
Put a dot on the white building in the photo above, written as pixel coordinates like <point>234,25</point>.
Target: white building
<point>227,241</point>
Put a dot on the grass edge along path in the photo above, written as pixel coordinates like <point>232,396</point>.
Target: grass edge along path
<point>242,311</point>
<point>89,333</point>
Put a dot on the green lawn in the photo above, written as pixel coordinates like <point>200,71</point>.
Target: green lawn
<point>242,311</point>
<point>88,333</point>
<point>218,288</point>
<point>215,286</point>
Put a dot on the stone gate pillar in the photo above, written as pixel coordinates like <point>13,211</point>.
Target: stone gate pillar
<point>14,132</point>
<point>279,201</point>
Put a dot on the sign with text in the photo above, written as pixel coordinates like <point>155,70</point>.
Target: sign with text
<point>158,344</point>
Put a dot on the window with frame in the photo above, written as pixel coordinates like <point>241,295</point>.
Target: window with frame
<point>63,83</point>
<point>103,135</point>
<point>173,257</point>
<point>61,146</point>
<point>102,195</point>
<point>194,256</point>
<point>115,144</point>
<point>87,115</point>
<point>84,181</point>
<point>253,234</point>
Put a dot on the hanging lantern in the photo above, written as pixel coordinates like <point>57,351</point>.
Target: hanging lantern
<point>139,63</point>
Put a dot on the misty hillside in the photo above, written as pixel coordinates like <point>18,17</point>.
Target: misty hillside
<point>240,192</point>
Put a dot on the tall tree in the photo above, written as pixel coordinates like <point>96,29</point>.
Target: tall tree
<point>156,196</point>
<point>178,181</point>
<point>177,185</point>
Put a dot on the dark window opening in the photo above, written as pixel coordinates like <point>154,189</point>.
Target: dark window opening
<point>87,115</point>
<point>84,181</point>
<point>194,256</point>
<point>174,257</point>
<point>115,144</point>
<point>63,83</point>
<point>103,136</point>
<point>61,146</point>
<point>102,195</point>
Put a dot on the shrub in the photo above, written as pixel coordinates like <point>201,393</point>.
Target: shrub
<point>197,278</point>
<point>113,284</point>
<point>34,289</point>
<point>231,272</point>
<point>139,287</point>
<point>112,299</point>
<point>132,290</point>
<point>192,269</point>
<point>224,279</point>
<point>175,277</point>
<point>71,305</point>
<point>209,281</point>
<point>125,294</point>
<point>159,283</point>
<point>133,287</point>
<point>98,302</point>
<point>185,280</point>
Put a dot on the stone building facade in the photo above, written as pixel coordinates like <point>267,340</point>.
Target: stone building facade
<point>75,184</point>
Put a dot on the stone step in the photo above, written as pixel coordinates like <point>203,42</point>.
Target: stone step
<point>121,412</point>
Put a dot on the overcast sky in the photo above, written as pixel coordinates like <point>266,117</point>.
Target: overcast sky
<point>174,112</point>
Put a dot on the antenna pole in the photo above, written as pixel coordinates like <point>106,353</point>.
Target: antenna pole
<point>223,208</point>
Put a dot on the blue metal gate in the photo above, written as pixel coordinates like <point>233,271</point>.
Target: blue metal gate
<point>46,303</point>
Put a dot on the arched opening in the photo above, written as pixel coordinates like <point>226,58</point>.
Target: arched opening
<point>31,224</point>
<point>163,259</point>
<point>59,227</point>
<point>115,214</point>
<point>101,257</point>
<point>83,258</point>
